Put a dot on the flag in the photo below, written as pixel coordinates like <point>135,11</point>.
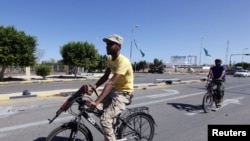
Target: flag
<point>142,53</point>
<point>206,52</point>
<point>135,44</point>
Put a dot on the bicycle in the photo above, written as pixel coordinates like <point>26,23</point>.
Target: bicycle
<point>135,124</point>
<point>210,101</point>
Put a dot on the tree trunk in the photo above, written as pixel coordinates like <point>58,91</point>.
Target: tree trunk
<point>75,68</point>
<point>44,77</point>
<point>2,72</point>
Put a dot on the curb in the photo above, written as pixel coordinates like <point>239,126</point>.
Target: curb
<point>66,92</point>
<point>44,81</point>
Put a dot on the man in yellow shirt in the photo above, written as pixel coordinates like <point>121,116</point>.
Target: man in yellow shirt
<point>117,91</point>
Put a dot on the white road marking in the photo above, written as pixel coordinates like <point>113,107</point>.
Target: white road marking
<point>22,126</point>
<point>4,112</point>
<point>164,100</point>
<point>232,101</point>
<point>191,114</point>
<point>237,86</point>
<point>168,93</point>
<point>226,102</point>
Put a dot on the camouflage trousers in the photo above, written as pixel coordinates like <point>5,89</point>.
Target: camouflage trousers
<point>112,105</point>
<point>220,90</point>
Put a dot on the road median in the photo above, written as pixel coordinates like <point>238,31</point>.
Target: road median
<point>65,92</point>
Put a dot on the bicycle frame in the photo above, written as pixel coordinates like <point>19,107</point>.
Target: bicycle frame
<point>84,112</point>
<point>98,127</point>
<point>211,96</point>
<point>92,122</point>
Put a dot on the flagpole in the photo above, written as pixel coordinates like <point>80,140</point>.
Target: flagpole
<point>131,46</point>
<point>200,53</point>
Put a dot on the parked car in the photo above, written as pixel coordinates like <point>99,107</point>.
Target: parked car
<point>230,72</point>
<point>242,73</point>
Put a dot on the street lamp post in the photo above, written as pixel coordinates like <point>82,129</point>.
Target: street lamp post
<point>131,46</point>
<point>247,54</point>
<point>243,53</point>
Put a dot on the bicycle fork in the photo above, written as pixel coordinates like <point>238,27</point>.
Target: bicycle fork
<point>74,131</point>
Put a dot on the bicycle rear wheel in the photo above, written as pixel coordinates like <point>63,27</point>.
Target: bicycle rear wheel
<point>140,127</point>
<point>207,102</point>
<point>69,132</point>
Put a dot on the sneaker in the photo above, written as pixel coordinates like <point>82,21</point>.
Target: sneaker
<point>219,103</point>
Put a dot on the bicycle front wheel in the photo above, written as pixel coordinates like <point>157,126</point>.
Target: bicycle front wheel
<point>207,102</point>
<point>69,133</point>
<point>140,127</point>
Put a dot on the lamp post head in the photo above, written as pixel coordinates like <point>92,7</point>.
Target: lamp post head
<point>136,26</point>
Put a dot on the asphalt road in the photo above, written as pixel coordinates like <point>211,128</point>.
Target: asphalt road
<point>75,83</point>
<point>176,109</point>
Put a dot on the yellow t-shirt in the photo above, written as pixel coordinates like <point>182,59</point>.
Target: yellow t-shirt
<point>123,67</point>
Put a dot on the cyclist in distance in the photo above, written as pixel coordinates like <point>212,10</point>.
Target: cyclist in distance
<point>118,88</point>
<point>218,72</point>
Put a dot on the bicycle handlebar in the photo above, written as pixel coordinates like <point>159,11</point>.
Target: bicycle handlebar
<point>214,80</point>
<point>93,89</point>
<point>68,103</point>
<point>217,80</point>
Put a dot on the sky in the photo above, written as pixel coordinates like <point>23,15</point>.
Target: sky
<point>161,28</point>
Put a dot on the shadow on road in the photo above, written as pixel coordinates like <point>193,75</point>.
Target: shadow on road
<point>40,139</point>
<point>186,107</point>
<point>57,138</point>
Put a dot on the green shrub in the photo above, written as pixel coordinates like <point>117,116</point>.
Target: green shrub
<point>43,71</point>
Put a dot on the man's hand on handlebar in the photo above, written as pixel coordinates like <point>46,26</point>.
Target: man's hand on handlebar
<point>219,79</point>
<point>91,103</point>
<point>90,92</point>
